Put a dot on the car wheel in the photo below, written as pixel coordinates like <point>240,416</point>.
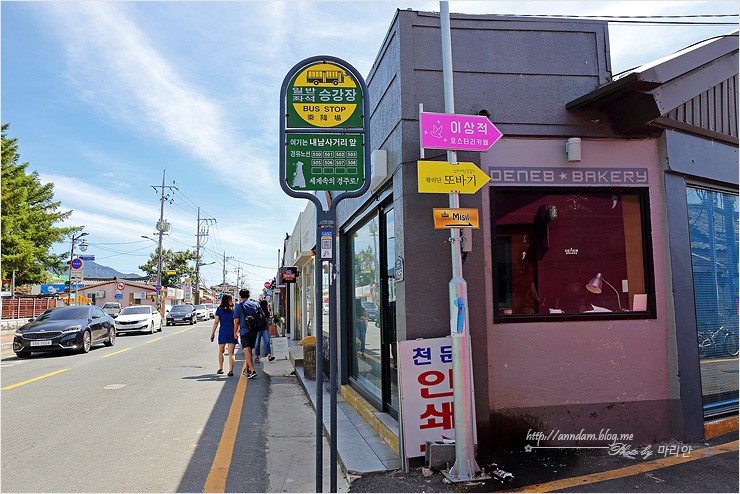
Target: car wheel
<point>151,328</point>
<point>193,320</point>
<point>23,354</point>
<point>111,337</point>
<point>86,342</point>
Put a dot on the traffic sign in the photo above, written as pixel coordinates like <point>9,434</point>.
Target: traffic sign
<point>268,284</point>
<point>455,218</point>
<point>158,287</point>
<point>120,285</point>
<point>461,132</point>
<point>324,94</point>
<point>87,258</point>
<point>118,295</point>
<point>324,161</point>
<point>443,177</point>
<point>76,263</point>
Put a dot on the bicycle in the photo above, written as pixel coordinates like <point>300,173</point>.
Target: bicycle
<point>717,343</point>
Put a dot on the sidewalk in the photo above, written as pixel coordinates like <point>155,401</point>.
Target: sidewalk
<point>360,449</point>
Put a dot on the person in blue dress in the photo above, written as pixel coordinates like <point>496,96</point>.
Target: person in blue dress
<point>224,320</point>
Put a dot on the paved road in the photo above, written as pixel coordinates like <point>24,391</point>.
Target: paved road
<point>150,415</point>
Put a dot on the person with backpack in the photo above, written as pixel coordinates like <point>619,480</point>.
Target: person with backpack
<point>246,317</point>
<point>262,334</point>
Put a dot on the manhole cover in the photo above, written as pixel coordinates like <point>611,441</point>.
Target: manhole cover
<point>181,368</point>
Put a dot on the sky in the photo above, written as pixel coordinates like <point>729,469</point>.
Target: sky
<point>105,97</point>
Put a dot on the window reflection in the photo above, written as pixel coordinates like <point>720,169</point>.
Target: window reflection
<point>550,246</point>
<point>366,349</point>
<point>713,232</point>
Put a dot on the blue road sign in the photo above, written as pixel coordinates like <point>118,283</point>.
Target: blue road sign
<point>76,263</point>
<point>118,295</point>
<point>87,258</point>
<point>158,287</point>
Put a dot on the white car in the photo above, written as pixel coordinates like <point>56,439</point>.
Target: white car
<point>139,318</point>
<point>201,312</point>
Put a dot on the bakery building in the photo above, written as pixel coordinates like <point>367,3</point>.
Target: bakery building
<point>602,282</point>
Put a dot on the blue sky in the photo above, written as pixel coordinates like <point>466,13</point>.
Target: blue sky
<point>104,96</point>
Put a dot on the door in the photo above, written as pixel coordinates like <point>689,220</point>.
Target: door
<point>388,314</point>
<point>372,315</point>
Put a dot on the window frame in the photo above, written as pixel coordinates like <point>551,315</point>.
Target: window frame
<point>643,194</point>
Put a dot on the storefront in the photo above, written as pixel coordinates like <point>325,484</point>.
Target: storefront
<point>690,99</point>
<point>589,277</point>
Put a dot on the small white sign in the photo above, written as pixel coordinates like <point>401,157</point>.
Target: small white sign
<point>279,347</point>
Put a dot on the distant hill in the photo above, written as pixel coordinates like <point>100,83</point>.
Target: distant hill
<point>92,269</point>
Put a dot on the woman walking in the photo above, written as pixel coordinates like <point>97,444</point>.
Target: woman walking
<point>225,316</point>
<point>263,334</point>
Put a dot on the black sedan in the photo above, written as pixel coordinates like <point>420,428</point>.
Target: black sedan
<point>182,313</point>
<point>75,328</point>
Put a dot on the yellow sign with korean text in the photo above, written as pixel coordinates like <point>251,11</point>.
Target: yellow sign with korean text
<point>442,177</point>
<point>455,218</point>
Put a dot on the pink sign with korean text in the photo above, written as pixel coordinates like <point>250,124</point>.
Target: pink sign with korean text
<point>427,401</point>
<point>459,132</point>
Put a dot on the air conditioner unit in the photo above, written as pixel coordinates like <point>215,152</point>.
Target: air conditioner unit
<point>100,293</point>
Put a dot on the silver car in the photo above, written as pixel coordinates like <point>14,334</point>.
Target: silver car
<point>201,312</point>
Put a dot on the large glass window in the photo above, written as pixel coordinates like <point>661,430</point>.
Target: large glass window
<point>713,232</point>
<point>365,357</point>
<point>564,254</point>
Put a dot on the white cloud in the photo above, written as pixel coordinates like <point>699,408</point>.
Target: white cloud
<point>123,76</point>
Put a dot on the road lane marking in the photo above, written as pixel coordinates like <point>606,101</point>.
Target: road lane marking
<point>216,481</point>
<point>115,353</point>
<point>183,330</point>
<point>34,379</point>
<point>628,471</point>
<point>155,339</point>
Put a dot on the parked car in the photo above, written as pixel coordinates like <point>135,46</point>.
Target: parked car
<point>75,327</point>
<point>112,308</point>
<point>211,310</point>
<point>201,313</point>
<point>139,318</point>
<point>371,310</point>
<point>181,313</point>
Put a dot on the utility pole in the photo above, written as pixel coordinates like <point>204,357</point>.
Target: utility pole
<point>223,283</point>
<point>162,226</point>
<point>199,233</point>
<point>465,467</point>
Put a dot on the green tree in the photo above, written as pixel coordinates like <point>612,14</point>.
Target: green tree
<point>171,261</point>
<point>365,267</point>
<point>29,216</point>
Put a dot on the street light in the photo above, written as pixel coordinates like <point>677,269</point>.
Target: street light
<point>71,256</point>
